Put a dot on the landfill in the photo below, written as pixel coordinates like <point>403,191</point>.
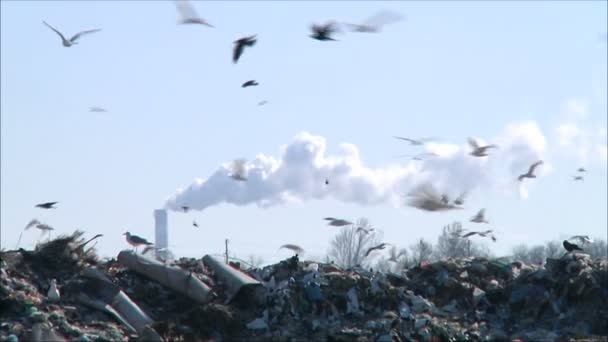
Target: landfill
<point>136,298</point>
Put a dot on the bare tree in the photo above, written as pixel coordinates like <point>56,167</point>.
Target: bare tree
<point>553,249</point>
<point>520,252</point>
<point>348,247</point>
<point>254,261</point>
<point>597,249</point>
<point>536,255</point>
<point>450,244</point>
<point>421,251</point>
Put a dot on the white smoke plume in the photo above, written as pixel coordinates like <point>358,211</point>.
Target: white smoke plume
<point>299,174</point>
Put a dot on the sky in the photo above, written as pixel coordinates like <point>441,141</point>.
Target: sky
<point>528,76</point>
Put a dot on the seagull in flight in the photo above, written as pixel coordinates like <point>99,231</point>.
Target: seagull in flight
<point>188,14</point>
<point>185,208</point>
<point>530,173</point>
<point>460,199</point>
<point>297,249</point>
<point>375,23</point>
<point>263,102</point>
<point>581,169</point>
<point>482,234</point>
<point>47,205</point>
<point>578,178</point>
<point>479,151</point>
<point>239,46</point>
<point>379,247</point>
<point>73,40</point>
<point>250,83</point>
<point>337,222</point>
<point>323,32</point>
<point>195,224</point>
<point>480,217</point>
<point>415,142</point>
<point>97,110</point>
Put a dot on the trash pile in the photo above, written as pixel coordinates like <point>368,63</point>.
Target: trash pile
<point>137,298</point>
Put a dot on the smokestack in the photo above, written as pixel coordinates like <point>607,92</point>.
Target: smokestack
<point>161,233</point>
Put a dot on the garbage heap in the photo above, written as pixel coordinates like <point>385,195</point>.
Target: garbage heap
<point>136,298</point>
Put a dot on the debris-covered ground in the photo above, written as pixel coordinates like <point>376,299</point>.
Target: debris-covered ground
<point>449,300</point>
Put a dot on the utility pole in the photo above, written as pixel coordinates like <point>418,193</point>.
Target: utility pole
<point>226,251</point>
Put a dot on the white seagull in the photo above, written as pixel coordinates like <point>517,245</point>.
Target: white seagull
<point>479,151</point>
<point>188,14</point>
<point>53,294</point>
<point>73,40</point>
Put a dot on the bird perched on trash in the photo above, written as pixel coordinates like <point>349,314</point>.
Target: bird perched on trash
<point>530,173</point>
<point>47,205</point>
<point>337,222</point>
<point>136,241</point>
<point>374,23</point>
<point>238,170</point>
<point>577,178</point>
<point>53,294</point>
<point>425,197</point>
<point>479,217</point>
<point>239,46</point>
<point>416,142</point>
<point>295,248</point>
<point>188,14</point>
<point>73,40</point>
<point>323,32</point>
<point>379,247</point>
<point>571,246</point>
<point>250,83</point>
<point>479,151</point>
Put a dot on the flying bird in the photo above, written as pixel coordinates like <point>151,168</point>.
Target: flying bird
<point>419,156</point>
<point>482,234</point>
<point>581,169</point>
<point>337,222</point>
<point>185,208</point>
<point>425,197</point>
<point>415,142</point>
<point>45,228</point>
<point>239,46</point>
<point>571,246</point>
<point>97,109</point>
<point>47,205</point>
<point>577,178</point>
<point>326,181</point>
<point>238,170</point>
<point>375,23</point>
<point>250,83</point>
<point>195,224</point>
<point>479,151</point>
<point>480,217</point>
<point>379,247</point>
<point>188,14</point>
<point>136,241</point>
<point>53,294</point>
<point>73,40</point>
<point>460,199</point>
<point>445,199</point>
<point>261,103</point>
<point>530,173</point>
<point>32,223</point>
<point>324,32</point>
<point>297,249</point>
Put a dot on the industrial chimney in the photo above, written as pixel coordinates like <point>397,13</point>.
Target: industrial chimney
<point>161,234</point>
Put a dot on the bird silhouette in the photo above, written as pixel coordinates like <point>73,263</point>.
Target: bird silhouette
<point>379,247</point>
<point>239,46</point>
<point>337,222</point>
<point>295,248</point>
<point>460,199</point>
<point>47,205</point>
<point>324,32</point>
<point>136,241</point>
<point>578,178</point>
<point>415,142</point>
<point>326,181</point>
<point>480,217</point>
<point>185,208</point>
<point>571,246</point>
<point>73,40</point>
<point>195,224</point>
<point>250,83</point>
<point>479,151</point>
<point>375,23</point>
<point>188,14</point>
<point>530,173</point>
<point>581,169</point>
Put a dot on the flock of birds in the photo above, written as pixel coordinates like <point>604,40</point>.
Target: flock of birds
<point>424,197</point>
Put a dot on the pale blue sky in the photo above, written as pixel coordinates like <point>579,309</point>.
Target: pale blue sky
<point>176,111</point>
